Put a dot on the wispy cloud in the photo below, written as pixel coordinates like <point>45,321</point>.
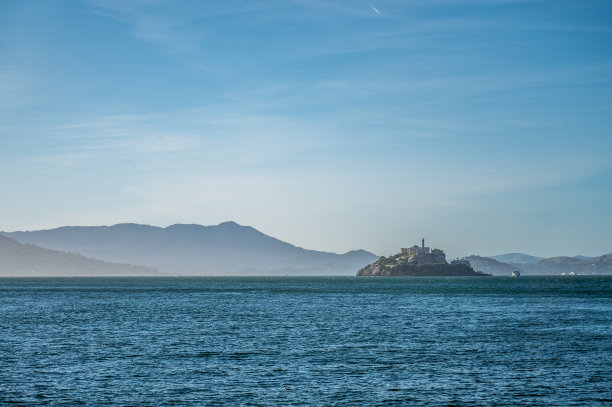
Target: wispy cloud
<point>201,138</point>
<point>20,86</point>
<point>180,31</point>
<point>163,30</point>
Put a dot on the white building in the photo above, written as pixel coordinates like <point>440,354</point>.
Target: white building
<point>416,249</point>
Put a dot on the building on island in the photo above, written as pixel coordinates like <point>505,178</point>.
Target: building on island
<point>438,252</point>
<point>416,249</point>
<point>423,254</point>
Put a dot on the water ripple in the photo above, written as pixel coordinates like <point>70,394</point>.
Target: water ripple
<point>306,341</point>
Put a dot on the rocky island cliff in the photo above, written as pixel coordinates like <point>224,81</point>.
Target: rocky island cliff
<point>419,261</point>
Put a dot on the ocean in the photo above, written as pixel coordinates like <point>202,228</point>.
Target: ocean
<point>315,341</point>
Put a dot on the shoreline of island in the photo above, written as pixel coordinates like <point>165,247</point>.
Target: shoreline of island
<point>419,261</point>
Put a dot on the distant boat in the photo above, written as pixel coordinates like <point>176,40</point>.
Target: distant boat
<point>516,273</point>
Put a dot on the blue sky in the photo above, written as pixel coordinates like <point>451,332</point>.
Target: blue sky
<point>483,126</point>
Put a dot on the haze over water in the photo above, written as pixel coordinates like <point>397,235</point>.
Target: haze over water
<point>306,341</point>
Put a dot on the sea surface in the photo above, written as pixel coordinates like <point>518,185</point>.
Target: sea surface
<point>312,341</point>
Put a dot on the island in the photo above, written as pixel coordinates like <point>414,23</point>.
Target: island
<point>419,261</point>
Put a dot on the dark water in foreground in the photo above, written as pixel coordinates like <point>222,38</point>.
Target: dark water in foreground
<point>329,341</point>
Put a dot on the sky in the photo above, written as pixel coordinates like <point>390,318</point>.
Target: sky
<point>484,126</point>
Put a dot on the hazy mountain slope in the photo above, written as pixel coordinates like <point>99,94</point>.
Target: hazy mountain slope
<point>491,266</point>
<point>227,248</point>
<point>551,266</point>
<point>517,258</point>
<point>18,259</point>
<point>563,264</point>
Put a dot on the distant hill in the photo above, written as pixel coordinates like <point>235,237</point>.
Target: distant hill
<point>554,265</point>
<point>491,266</point>
<point>224,249</point>
<point>516,258</point>
<point>18,260</point>
<point>562,264</point>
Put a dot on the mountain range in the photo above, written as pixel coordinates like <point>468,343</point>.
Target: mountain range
<point>188,249</point>
<point>224,249</point>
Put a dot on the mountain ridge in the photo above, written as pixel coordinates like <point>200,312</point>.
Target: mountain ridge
<point>187,249</point>
<point>517,258</point>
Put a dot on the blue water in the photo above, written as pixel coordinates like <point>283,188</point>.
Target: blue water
<point>306,341</point>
